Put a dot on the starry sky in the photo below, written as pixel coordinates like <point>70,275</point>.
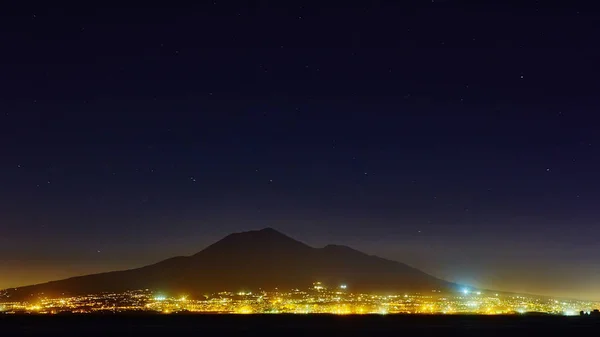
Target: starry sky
<point>460,138</point>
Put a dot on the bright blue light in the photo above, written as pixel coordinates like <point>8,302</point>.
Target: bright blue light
<point>465,291</point>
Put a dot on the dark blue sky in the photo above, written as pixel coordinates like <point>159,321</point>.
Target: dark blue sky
<point>462,139</point>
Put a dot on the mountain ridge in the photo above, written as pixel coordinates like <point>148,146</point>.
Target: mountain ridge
<point>257,259</point>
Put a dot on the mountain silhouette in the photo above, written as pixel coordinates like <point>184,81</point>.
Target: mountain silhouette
<point>263,259</point>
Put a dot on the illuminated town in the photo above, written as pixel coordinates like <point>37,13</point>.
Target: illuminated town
<point>318,299</point>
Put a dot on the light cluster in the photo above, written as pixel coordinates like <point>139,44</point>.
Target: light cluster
<point>317,299</point>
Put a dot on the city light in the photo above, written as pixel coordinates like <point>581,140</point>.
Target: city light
<point>315,299</point>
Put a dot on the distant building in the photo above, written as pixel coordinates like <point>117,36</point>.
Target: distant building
<point>594,313</point>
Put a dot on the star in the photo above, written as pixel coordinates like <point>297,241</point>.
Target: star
<point>547,170</point>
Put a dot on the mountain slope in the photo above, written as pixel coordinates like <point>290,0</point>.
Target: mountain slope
<point>251,260</point>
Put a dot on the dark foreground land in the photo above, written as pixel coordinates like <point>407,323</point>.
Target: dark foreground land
<point>296,325</point>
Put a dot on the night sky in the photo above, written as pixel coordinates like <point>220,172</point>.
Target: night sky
<point>461,139</point>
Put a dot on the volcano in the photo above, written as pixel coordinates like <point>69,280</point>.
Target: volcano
<point>262,259</point>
